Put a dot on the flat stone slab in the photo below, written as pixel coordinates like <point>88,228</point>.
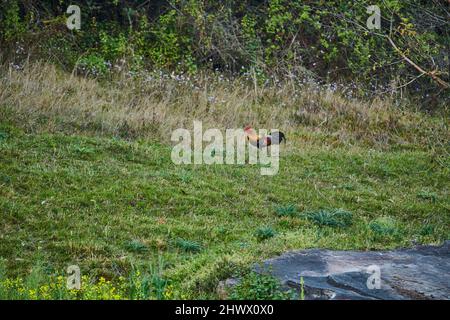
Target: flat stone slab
<point>422,272</point>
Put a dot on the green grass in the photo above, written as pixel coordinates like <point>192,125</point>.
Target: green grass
<point>112,206</point>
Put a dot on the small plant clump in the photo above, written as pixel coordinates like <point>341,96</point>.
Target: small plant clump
<point>3,136</point>
<point>188,245</point>
<point>264,233</point>
<point>427,229</point>
<point>286,211</point>
<point>385,228</point>
<point>136,246</point>
<point>427,195</point>
<point>255,286</point>
<point>335,218</point>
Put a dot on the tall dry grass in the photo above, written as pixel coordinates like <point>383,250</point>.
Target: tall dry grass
<point>39,97</point>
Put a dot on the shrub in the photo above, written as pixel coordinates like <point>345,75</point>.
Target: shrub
<point>93,65</point>
<point>11,24</point>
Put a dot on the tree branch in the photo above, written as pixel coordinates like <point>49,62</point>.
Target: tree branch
<point>431,74</point>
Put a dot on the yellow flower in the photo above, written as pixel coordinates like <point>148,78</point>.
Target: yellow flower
<point>44,292</point>
<point>168,292</point>
<point>32,294</point>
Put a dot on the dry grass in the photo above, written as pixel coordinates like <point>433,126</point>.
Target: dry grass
<point>41,98</point>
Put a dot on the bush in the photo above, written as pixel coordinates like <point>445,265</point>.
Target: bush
<point>93,65</point>
<point>11,25</point>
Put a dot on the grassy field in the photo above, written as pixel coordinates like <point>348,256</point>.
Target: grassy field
<point>115,205</point>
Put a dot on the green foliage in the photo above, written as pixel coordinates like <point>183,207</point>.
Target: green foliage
<point>151,284</point>
<point>93,65</point>
<point>264,233</point>
<point>11,25</point>
<point>167,49</point>
<point>251,40</point>
<point>427,230</point>
<point>385,228</point>
<point>289,210</point>
<point>136,246</point>
<point>254,286</point>
<point>188,245</point>
<point>335,218</point>
<point>302,289</point>
<point>276,24</point>
<point>113,48</point>
<point>3,136</point>
<point>427,195</point>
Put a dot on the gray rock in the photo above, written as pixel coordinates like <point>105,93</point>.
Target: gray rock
<point>224,287</point>
<point>422,272</point>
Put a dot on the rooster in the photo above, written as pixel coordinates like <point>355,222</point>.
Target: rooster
<point>261,142</point>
